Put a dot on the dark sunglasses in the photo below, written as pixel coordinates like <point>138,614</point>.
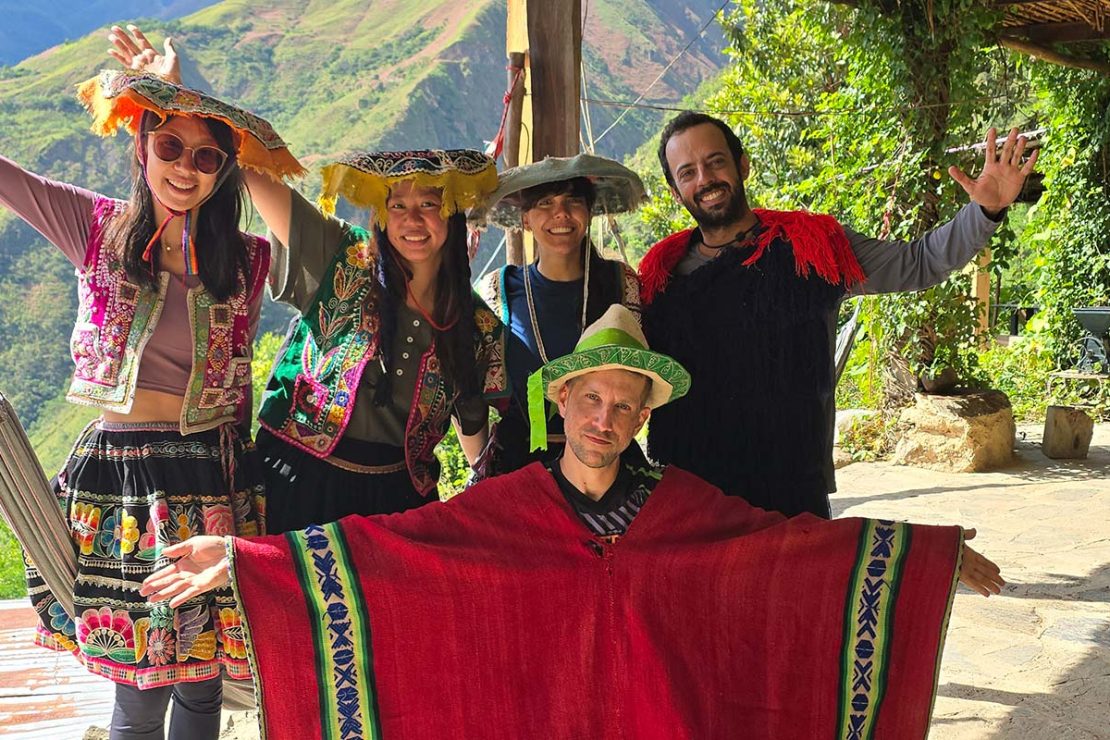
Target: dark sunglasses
<point>169,148</point>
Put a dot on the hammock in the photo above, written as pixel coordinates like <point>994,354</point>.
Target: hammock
<point>31,509</point>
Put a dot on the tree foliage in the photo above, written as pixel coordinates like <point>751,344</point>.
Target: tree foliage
<point>857,109</point>
<point>1070,227</point>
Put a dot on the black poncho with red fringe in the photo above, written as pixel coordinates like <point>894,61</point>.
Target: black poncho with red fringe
<point>755,328</point>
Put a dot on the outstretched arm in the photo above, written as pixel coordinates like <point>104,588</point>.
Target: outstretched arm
<point>977,572</point>
<point>201,567</point>
<point>60,212</point>
<point>892,266</point>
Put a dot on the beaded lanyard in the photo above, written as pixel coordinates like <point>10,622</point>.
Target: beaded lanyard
<point>532,304</point>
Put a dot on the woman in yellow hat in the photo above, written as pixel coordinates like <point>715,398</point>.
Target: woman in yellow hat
<point>391,343</point>
<point>170,292</point>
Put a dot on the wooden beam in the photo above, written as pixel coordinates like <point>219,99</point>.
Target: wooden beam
<point>518,244</point>
<point>514,240</point>
<point>1054,57</point>
<point>1056,33</point>
<point>981,292</point>
<point>555,51</point>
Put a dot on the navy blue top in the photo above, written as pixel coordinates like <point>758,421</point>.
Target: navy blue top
<point>559,314</point>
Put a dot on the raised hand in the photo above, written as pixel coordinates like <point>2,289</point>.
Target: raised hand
<point>977,572</point>
<point>134,51</point>
<point>201,567</point>
<point>1003,174</point>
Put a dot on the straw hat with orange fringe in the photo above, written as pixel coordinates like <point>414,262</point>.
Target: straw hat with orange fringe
<point>465,176</point>
<point>118,98</point>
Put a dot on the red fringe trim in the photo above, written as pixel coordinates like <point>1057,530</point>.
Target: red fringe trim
<point>658,264</point>
<point>819,242</point>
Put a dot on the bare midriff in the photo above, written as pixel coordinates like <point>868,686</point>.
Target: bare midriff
<point>150,406</point>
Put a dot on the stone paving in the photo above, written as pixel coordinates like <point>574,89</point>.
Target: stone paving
<point>1030,664</point>
<point>1034,662</point>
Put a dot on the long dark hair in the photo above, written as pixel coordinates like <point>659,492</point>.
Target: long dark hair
<point>221,249</point>
<point>454,298</point>
<point>606,276</point>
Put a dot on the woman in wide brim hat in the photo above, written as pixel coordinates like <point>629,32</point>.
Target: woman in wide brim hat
<point>546,305</point>
<point>390,342</point>
<point>170,293</point>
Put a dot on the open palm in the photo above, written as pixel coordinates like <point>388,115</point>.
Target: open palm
<point>201,566</point>
<point>1003,173</point>
<point>132,49</point>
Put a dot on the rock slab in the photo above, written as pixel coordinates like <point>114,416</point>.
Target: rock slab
<point>965,433</point>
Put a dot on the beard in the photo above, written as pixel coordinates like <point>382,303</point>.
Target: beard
<point>730,211</point>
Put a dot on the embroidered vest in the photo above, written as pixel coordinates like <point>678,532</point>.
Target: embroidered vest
<point>116,317</point>
<point>311,394</point>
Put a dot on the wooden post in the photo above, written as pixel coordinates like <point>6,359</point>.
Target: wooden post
<point>555,58</point>
<point>981,292</point>
<point>514,240</point>
<point>549,34</point>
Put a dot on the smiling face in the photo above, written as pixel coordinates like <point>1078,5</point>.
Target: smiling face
<point>414,225</point>
<point>558,217</point>
<point>706,179</point>
<point>179,184</point>
<point>602,412</point>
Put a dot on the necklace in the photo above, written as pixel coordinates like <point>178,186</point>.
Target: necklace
<point>419,308</point>
<point>743,236</point>
<point>532,305</point>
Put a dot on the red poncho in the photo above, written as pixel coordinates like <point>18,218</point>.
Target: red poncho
<point>498,615</point>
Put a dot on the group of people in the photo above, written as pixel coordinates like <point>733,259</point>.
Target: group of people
<point>582,588</point>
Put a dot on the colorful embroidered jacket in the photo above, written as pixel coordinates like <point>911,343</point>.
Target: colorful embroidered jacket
<point>116,317</point>
<point>311,394</point>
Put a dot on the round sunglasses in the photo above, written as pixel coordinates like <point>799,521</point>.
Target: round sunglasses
<point>169,147</point>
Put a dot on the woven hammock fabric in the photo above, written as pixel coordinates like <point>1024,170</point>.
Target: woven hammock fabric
<point>31,509</point>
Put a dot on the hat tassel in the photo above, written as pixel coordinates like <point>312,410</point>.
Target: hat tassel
<point>537,416</point>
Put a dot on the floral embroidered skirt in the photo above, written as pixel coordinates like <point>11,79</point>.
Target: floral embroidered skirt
<point>131,490</point>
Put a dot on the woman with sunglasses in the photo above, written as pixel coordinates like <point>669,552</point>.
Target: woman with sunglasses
<point>545,305</point>
<point>170,292</point>
<point>391,344</point>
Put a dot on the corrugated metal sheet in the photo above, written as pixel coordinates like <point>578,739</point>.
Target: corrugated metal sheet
<point>44,695</point>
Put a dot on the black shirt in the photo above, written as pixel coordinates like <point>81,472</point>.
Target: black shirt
<point>611,515</point>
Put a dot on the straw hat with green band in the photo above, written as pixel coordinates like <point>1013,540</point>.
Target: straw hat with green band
<point>618,188</point>
<point>613,342</point>
<point>465,176</point>
<point>118,98</point>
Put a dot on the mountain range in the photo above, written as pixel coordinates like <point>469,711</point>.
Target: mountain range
<point>331,76</point>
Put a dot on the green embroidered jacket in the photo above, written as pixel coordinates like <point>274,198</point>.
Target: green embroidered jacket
<point>311,393</point>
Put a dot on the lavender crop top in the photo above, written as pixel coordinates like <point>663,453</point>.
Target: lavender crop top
<point>63,214</point>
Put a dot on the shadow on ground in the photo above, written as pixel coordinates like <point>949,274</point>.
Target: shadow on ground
<point>1078,705</point>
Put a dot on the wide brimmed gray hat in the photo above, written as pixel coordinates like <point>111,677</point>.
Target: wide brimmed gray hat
<point>619,189</point>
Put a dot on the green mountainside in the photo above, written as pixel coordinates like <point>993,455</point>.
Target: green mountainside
<point>332,77</point>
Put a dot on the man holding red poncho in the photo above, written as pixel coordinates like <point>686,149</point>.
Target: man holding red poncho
<point>587,600</point>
